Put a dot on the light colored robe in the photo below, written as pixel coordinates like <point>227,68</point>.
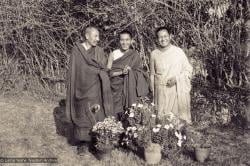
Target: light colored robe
<point>176,99</point>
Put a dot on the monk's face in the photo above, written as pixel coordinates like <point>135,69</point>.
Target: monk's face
<point>93,37</point>
<point>164,38</point>
<point>125,41</point>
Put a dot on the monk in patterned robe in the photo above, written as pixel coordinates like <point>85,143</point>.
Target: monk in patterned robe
<point>89,97</point>
<point>170,78</point>
<point>128,80</point>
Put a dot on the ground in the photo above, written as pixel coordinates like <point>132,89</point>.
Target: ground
<point>28,129</point>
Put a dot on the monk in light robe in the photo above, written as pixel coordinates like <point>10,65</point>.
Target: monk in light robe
<point>88,86</point>
<point>170,78</point>
<point>128,80</point>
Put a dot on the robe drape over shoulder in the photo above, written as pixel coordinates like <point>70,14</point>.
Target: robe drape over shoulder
<point>88,84</point>
<point>127,89</point>
<point>176,99</point>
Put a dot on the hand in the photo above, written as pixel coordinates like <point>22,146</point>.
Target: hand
<point>95,108</point>
<point>126,69</point>
<point>171,82</point>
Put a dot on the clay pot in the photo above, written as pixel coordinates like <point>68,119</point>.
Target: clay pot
<point>152,153</point>
<point>202,153</point>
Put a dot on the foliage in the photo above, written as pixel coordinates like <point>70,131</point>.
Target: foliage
<point>138,121</point>
<point>170,133</point>
<point>143,127</point>
<point>220,107</point>
<point>106,134</point>
<point>36,37</point>
<point>39,34</point>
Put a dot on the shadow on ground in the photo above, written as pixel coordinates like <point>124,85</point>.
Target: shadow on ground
<point>63,127</point>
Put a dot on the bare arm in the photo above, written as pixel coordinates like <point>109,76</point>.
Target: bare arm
<point>117,73</point>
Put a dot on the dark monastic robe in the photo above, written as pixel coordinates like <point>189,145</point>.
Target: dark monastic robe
<point>88,84</point>
<point>127,89</point>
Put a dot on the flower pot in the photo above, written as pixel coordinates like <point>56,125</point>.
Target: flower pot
<point>202,153</point>
<point>152,153</point>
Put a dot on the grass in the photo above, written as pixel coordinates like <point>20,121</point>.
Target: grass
<point>28,129</point>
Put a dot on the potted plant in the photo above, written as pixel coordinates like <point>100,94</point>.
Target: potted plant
<point>152,153</point>
<point>106,135</point>
<point>202,152</point>
<point>202,149</point>
<point>139,121</point>
<point>170,134</point>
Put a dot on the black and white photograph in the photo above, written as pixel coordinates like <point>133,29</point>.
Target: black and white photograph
<point>125,82</point>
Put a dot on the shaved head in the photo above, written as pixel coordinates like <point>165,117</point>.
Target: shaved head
<point>92,35</point>
<point>90,29</point>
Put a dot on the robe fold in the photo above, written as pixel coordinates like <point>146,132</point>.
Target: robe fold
<point>176,99</point>
<point>127,89</point>
<point>88,84</point>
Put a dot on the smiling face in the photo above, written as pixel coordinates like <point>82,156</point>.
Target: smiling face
<point>164,38</point>
<point>92,36</point>
<point>125,41</point>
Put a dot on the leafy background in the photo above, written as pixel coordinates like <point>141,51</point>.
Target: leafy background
<point>36,37</point>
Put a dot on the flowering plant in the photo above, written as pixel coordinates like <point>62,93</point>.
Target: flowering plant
<point>144,127</point>
<point>106,134</point>
<point>138,121</point>
<point>139,114</point>
<point>136,137</point>
<point>169,132</point>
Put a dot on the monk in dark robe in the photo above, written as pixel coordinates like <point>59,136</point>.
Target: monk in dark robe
<point>129,82</point>
<point>89,97</point>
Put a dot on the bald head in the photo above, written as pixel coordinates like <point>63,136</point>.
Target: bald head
<point>90,29</point>
<point>92,35</point>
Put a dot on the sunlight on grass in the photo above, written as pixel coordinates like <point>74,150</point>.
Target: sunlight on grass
<point>28,130</point>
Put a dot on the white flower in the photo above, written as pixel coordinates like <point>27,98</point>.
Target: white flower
<point>178,135</point>
<point>179,143</point>
<point>171,115</point>
<point>156,130</point>
<point>131,115</point>
<point>153,115</point>
<point>158,125</point>
<point>133,128</point>
<point>129,128</point>
<point>140,106</point>
<point>171,126</point>
<point>135,135</point>
<point>184,137</point>
<point>134,105</point>
<point>152,104</point>
<point>166,127</point>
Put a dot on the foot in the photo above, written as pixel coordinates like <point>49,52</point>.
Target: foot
<point>83,150</point>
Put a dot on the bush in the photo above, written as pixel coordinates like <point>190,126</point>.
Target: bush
<point>38,36</point>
